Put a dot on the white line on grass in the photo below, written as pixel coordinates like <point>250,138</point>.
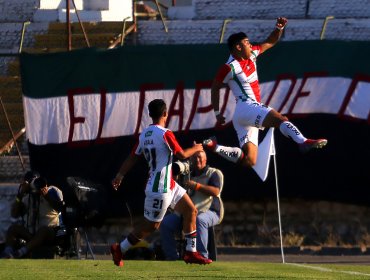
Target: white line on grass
<point>330,270</point>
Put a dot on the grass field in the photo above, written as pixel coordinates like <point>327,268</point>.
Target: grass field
<point>104,269</point>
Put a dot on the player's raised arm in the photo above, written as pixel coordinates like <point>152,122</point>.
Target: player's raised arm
<point>275,35</point>
<point>186,153</point>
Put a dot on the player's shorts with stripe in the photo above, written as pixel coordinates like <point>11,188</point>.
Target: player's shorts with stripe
<point>156,203</point>
<point>247,120</point>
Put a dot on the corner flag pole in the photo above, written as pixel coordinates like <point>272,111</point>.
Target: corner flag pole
<point>266,149</point>
<point>278,201</point>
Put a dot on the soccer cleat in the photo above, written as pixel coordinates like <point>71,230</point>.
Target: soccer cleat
<point>195,257</point>
<point>210,143</point>
<point>312,144</point>
<point>117,255</point>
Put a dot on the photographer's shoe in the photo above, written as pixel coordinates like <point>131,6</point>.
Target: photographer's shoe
<point>210,143</point>
<point>310,144</point>
<point>195,257</point>
<point>8,253</point>
<point>117,255</point>
<point>6,256</point>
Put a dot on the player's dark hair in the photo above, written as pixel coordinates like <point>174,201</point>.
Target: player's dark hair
<point>235,38</point>
<point>156,108</point>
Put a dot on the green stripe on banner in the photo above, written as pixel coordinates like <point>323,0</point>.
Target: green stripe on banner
<point>130,68</point>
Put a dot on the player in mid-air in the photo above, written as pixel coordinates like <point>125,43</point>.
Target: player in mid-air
<point>158,145</point>
<point>240,74</point>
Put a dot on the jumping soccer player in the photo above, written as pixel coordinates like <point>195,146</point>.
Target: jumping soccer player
<point>240,74</point>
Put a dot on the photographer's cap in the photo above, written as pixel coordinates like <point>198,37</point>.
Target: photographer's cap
<point>39,183</point>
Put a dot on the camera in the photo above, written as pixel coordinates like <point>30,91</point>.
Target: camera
<point>181,168</point>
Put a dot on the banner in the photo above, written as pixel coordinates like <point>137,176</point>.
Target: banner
<point>84,108</point>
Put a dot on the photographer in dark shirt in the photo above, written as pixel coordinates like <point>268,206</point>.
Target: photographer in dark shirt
<point>204,185</point>
<point>40,207</point>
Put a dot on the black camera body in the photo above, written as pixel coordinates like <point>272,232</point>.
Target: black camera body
<point>33,189</point>
<point>87,204</point>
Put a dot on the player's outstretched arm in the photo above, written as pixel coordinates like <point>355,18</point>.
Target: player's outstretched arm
<point>186,153</point>
<point>275,35</point>
<point>126,166</point>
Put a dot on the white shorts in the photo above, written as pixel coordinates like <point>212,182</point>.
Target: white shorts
<point>247,120</point>
<point>157,203</point>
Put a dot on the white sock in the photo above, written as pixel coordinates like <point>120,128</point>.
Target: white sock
<point>191,241</point>
<point>291,131</point>
<point>232,154</point>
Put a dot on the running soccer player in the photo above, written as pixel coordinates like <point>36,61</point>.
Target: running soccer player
<point>240,74</point>
<point>158,145</point>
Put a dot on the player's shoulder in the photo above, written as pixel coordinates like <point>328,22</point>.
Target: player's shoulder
<point>151,130</point>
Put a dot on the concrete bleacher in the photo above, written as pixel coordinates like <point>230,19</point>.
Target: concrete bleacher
<point>17,10</point>
<point>270,9</point>
<point>339,9</point>
<point>257,18</point>
<point>249,9</point>
<point>209,31</point>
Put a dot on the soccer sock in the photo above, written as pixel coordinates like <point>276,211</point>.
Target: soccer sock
<point>233,154</point>
<point>130,241</point>
<point>22,251</point>
<point>291,131</point>
<point>191,241</point>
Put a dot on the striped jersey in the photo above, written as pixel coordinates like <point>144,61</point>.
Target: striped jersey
<point>241,76</point>
<point>158,145</point>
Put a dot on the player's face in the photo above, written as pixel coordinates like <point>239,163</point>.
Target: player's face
<point>245,48</point>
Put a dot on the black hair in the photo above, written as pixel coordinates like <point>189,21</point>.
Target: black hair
<point>235,38</point>
<point>30,176</point>
<point>156,108</point>
<point>39,183</point>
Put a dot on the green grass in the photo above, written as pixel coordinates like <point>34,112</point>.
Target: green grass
<point>104,269</point>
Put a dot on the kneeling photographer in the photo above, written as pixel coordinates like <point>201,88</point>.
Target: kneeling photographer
<point>39,206</point>
<point>204,185</point>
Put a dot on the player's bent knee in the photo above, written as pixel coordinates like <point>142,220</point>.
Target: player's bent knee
<point>248,162</point>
